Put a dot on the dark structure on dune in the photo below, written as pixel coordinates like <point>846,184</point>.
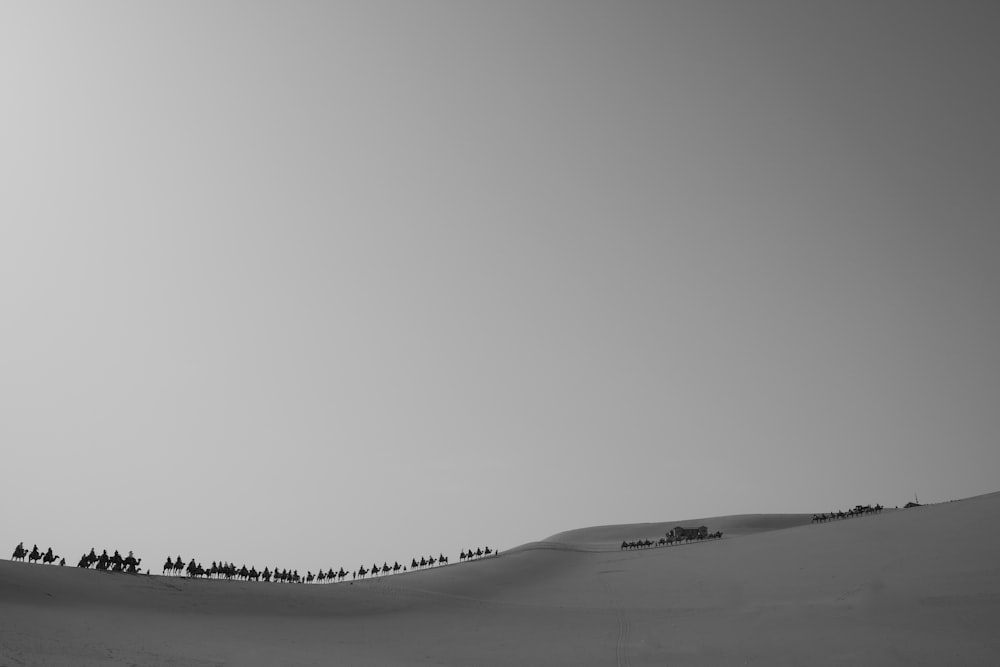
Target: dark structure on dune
<point>676,536</point>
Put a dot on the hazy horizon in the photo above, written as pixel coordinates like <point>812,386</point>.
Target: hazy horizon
<point>312,285</point>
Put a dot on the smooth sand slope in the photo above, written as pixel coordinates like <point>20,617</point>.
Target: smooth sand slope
<point>908,587</point>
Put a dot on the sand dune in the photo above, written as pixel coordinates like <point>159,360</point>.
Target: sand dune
<point>908,587</point>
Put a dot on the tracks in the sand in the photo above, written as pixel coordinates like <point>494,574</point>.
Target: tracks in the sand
<point>624,628</point>
<point>621,650</point>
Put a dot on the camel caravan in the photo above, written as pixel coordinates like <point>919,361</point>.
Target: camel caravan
<point>229,571</point>
<point>116,563</point>
<point>859,510</point>
<point>675,536</point>
<point>33,556</point>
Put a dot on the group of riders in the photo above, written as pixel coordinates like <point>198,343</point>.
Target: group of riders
<point>20,553</point>
<point>675,536</point>
<point>859,510</point>
<point>115,563</point>
<point>129,564</point>
<point>223,570</point>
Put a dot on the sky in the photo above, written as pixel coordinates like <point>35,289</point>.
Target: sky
<point>320,284</point>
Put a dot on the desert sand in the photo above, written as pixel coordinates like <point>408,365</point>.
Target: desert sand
<point>919,586</point>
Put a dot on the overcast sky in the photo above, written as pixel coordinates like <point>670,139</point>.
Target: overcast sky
<point>317,284</point>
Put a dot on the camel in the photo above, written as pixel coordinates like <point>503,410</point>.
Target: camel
<point>174,567</point>
<point>49,557</point>
<point>20,553</point>
<point>88,559</point>
<point>34,556</point>
<point>123,564</point>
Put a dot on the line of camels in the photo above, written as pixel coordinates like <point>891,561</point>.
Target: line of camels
<point>222,570</point>
<point>675,536</point>
<point>858,510</point>
<point>20,553</point>
<point>229,571</point>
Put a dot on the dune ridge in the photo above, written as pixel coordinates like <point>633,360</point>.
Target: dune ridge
<point>732,525</point>
<point>919,586</point>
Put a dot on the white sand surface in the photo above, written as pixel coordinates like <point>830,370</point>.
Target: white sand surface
<point>907,587</point>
